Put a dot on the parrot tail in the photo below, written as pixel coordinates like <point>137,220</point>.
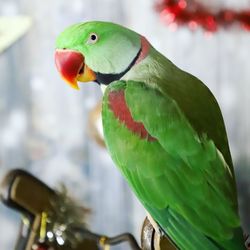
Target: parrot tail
<point>186,237</point>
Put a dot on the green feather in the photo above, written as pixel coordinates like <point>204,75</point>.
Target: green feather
<point>194,99</point>
<point>180,172</point>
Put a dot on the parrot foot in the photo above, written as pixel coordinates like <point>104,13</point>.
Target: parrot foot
<point>152,239</point>
<point>154,224</point>
<point>247,241</point>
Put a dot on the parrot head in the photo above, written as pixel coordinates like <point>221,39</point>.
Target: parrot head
<point>96,51</point>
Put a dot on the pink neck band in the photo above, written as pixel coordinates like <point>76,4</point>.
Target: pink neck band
<point>145,46</point>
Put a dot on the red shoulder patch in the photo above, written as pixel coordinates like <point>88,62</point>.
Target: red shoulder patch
<point>117,104</point>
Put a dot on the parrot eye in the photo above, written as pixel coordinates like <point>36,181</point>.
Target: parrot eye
<point>93,38</point>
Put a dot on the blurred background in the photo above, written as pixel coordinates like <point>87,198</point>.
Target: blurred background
<point>44,122</point>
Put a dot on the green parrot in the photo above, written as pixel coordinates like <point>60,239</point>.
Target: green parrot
<point>163,129</point>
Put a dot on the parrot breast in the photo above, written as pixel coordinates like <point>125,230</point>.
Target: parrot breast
<point>117,104</point>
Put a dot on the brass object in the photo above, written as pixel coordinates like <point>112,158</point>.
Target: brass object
<point>28,195</point>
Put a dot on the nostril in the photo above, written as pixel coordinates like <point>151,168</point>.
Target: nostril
<point>81,70</point>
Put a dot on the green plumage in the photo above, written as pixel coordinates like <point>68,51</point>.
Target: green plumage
<point>174,177</point>
<point>185,177</point>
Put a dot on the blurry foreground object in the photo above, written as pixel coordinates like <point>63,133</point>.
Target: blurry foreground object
<point>11,29</point>
<point>193,14</point>
<point>51,220</point>
<point>48,214</point>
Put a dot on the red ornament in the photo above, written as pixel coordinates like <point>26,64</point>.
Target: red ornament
<point>194,15</point>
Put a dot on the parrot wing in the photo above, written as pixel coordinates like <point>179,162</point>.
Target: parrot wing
<point>195,184</point>
<point>199,106</point>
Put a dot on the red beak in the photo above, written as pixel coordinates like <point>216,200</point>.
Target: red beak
<point>70,65</point>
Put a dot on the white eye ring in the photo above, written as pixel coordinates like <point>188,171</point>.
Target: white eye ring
<point>93,38</point>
